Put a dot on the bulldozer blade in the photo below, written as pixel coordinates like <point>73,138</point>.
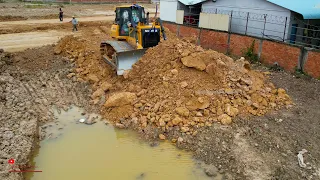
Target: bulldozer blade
<point>109,61</point>
<point>120,55</point>
<point>126,59</point>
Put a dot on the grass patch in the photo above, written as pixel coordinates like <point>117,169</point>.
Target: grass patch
<point>276,67</point>
<point>33,6</point>
<point>249,53</point>
<point>299,71</point>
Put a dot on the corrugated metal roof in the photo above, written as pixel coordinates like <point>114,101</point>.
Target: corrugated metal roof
<point>191,2</point>
<point>310,9</point>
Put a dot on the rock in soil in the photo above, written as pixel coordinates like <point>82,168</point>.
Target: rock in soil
<point>210,170</point>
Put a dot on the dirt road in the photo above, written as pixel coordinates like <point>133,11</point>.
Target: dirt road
<point>13,42</point>
<point>21,41</point>
<point>56,21</point>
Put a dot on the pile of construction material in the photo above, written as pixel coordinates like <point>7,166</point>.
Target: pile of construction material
<point>178,85</point>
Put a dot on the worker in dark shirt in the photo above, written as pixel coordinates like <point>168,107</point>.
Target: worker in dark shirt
<point>61,15</point>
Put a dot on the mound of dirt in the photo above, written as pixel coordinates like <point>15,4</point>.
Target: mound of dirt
<point>28,61</point>
<point>182,86</point>
<point>177,86</point>
<point>12,18</point>
<point>86,54</point>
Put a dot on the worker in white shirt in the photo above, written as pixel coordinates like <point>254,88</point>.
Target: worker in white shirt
<point>74,23</point>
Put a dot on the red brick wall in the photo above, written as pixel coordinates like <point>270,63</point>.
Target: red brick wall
<point>214,40</point>
<point>185,31</point>
<point>172,27</point>
<point>312,65</point>
<point>287,56</point>
<point>239,43</point>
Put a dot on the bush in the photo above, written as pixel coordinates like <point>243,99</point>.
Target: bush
<point>250,54</point>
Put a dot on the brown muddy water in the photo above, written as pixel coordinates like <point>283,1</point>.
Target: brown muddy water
<point>76,151</point>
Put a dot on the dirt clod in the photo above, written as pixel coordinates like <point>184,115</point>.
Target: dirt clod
<point>120,99</point>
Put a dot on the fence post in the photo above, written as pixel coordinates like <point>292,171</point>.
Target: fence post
<point>303,57</point>
<point>285,28</point>
<point>199,37</point>
<point>264,25</point>
<point>260,49</point>
<point>247,23</point>
<point>229,33</point>
<point>230,21</point>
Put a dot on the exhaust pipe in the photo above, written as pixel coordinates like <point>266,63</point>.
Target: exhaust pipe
<point>162,29</point>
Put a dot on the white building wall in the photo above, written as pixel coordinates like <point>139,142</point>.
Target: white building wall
<point>168,10</point>
<point>276,16</point>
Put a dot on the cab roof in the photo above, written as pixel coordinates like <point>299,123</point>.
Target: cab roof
<point>127,6</point>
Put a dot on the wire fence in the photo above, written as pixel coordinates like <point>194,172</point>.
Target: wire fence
<point>269,26</point>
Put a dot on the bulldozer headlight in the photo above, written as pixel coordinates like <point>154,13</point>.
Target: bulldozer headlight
<point>152,30</point>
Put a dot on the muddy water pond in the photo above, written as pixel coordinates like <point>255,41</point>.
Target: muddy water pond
<point>74,150</point>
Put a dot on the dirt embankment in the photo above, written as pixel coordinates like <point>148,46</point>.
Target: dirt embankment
<point>32,83</point>
<point>12,18</point>
<point>42,27</point>
<point>20,18</point>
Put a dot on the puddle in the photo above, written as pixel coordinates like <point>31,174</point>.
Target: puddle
<point>79,151</point>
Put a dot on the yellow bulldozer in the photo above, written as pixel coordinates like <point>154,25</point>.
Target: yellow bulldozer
<point>132,35</point>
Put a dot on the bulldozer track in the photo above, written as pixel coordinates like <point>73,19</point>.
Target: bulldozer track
<point>45,91</point>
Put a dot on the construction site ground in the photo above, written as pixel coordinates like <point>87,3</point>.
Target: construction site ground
<point>29,10</point>
<point>33,81</point>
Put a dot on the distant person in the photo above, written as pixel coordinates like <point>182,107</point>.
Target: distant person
<point>61,15</point>
<point>74,23</point>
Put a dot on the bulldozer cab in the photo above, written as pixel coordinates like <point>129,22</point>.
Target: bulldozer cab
<point>127,16</point>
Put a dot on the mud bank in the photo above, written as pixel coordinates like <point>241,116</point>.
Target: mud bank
<point>31,84</point>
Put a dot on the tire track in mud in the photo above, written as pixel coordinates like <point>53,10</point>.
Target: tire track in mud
<point>255,166</point>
